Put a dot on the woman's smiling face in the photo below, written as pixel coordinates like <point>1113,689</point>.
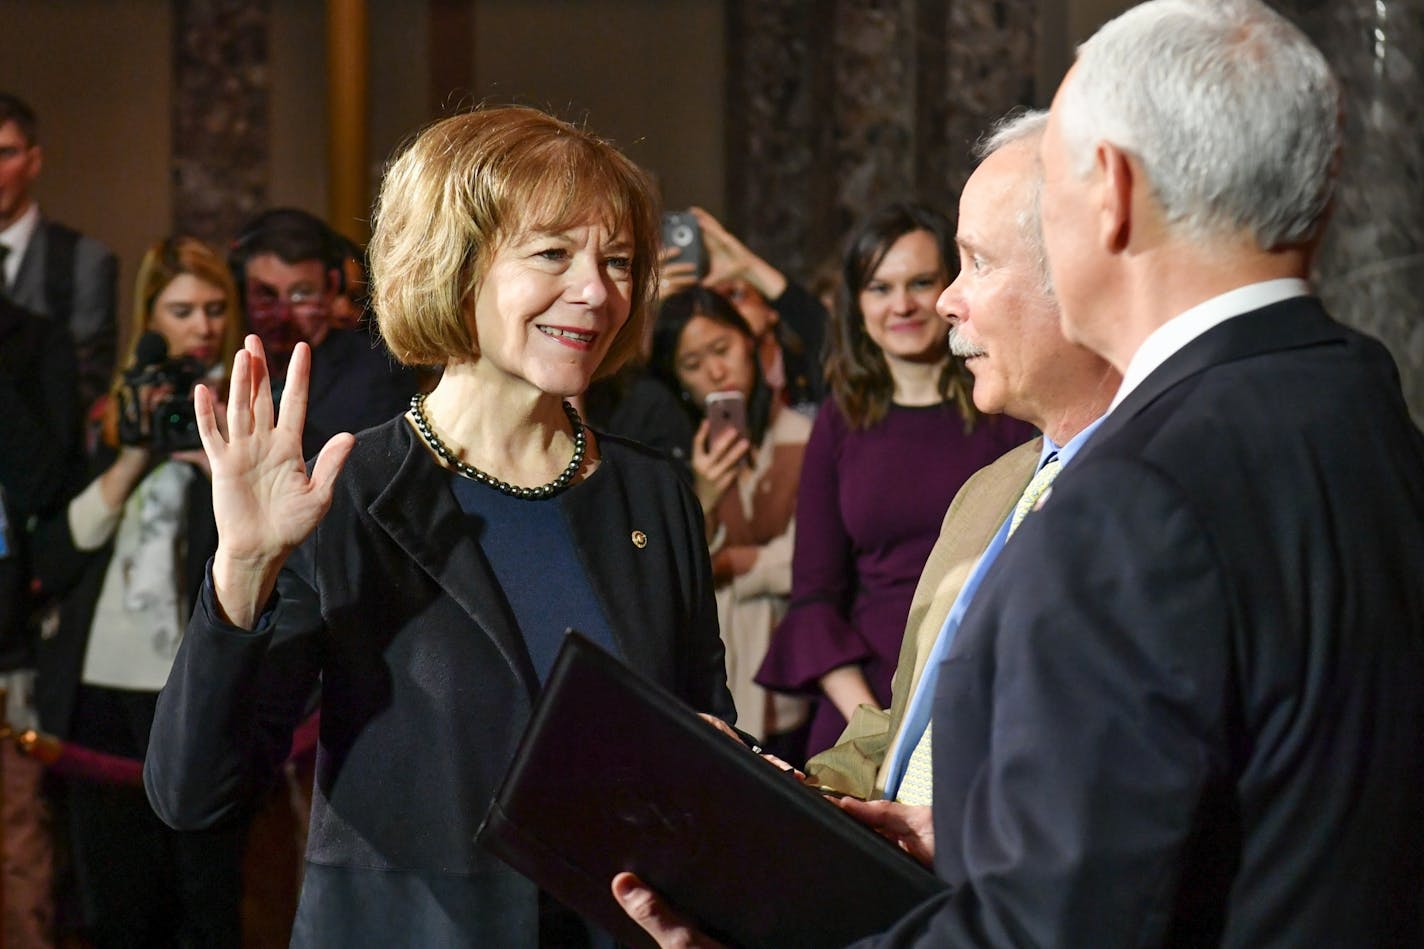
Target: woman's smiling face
<point>551,303</point>
<point>898,301</point>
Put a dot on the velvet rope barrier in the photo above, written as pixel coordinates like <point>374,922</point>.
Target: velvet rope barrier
<point>75,761</point>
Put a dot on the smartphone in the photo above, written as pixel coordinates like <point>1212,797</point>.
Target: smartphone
<point>726,410</point>
<point>682,232</point>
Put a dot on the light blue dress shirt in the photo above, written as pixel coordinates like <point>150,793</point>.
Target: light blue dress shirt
<point>917,714</point>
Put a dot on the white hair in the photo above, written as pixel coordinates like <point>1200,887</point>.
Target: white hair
<point>1024,127</point>
<point>1232,111</point>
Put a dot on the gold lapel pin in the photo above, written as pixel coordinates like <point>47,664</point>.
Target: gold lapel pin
<point>640,540</point>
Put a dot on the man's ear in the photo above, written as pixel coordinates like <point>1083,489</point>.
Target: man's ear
<point>36,162</point>
<point>335,282</point>
<point>1116,179</point>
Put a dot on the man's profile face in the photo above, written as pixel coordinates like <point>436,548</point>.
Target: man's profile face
<point>19,167</point>
<point>1002,320</point>
<point>287,303</point>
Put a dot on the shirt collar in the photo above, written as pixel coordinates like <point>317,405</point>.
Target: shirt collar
<point>1176,333</point>
<point>17,238</point>
<point>1066,452</point>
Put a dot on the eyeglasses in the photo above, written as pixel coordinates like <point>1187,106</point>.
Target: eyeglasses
<point>261,295</point>
<point>283,321</point>
<point>266,306</point>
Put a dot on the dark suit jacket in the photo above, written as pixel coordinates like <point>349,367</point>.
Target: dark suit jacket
<point>426,682</point>
<point>91,319</point>
<point>39,421</point>
<point>355,384</point>
<point>39,452</point>
<point>1187,704</point>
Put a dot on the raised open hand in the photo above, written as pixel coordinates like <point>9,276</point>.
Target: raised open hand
<point>263,500</point>
<point>729,259</point>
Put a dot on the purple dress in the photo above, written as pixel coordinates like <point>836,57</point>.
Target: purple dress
<point>869,509</point>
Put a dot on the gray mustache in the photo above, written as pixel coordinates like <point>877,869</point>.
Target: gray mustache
<point>960,346</point>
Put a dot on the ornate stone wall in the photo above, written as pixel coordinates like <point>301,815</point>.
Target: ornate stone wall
<point>220,115</point>
<point>1371,266</point>
<point>836,106</point>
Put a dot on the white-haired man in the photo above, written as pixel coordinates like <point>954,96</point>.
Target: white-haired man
<point>1187,704</point>
<point>1004,322</point>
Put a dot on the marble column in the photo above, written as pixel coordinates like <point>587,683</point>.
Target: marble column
<point>837,106</point>
<point>1371,266</point>
<point>220,115</point>
<point>348,57</point>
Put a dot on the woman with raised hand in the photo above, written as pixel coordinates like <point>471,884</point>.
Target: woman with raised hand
<point>889,449</point>
<point>427,587</point>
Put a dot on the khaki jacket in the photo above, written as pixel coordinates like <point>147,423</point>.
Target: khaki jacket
<point>855,765</point>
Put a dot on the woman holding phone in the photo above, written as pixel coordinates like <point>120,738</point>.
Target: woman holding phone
<point>746,460</point>
<point>887,454</point>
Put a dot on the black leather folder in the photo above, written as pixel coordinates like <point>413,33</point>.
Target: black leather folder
<point>614,773</point>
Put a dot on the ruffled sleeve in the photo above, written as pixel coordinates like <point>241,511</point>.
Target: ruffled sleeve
<point>816,636</point>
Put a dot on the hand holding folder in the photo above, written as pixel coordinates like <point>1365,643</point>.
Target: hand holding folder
<point>614,774</point>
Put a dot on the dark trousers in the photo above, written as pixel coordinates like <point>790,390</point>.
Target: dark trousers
<point>141,883</point>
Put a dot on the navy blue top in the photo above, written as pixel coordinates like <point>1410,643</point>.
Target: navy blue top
<point>529,546</point>
<point>531,551</point>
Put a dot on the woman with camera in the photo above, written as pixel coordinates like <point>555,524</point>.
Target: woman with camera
<point>127,559</point>
<point>746,461</point>
<point>886,456</point>
<point>429,586</point>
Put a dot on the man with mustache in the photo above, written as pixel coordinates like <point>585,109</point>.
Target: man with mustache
<point>1004,322</point>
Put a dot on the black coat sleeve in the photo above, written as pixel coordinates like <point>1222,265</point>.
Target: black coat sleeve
<point>804,315</point>
<point>224,721</point>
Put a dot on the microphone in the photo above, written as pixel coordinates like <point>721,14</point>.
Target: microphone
<point>151,350</point>
<point>150,353</point>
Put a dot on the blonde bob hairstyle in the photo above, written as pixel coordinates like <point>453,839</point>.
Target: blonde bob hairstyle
<point>163,263</point>
<point>471,182</point>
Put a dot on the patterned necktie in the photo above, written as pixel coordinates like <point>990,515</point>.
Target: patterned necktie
<point>917,786</point>
<point>1035,491</point>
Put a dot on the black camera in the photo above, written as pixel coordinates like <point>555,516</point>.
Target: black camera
<point>171,424</point>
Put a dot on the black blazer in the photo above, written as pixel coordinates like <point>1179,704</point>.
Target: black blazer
<point>39,453</point>
<point>1187,704</point>
<point>426,683</point>
<point>354,385</point>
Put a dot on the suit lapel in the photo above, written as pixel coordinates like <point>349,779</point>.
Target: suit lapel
<point>28,289</point>
<point>420,513</point>
<point>1290,324</point>
<point>596,523</point>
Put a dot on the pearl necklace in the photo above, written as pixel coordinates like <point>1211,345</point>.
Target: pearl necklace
<point>422,424</point>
